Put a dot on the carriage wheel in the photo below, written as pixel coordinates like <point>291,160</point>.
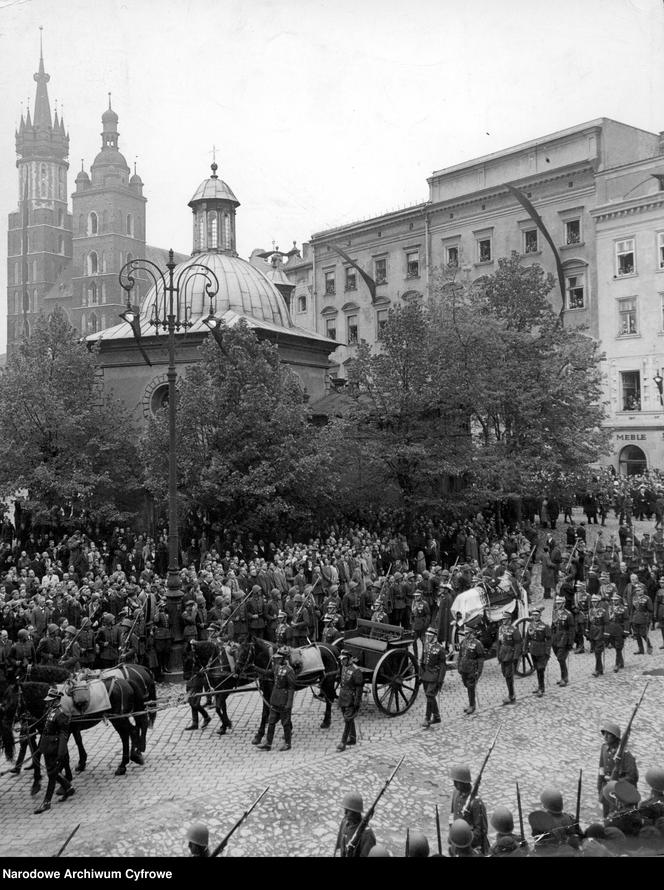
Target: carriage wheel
<point>524,666</point>
<point>395,682</point>
<point>332,669</point>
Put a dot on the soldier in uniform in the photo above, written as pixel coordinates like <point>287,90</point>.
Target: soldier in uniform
<point>351,682</point>
<point>618,628</point>
<point>420,616</point>
<point>350,606</point>
<point>163,638</point>
<point>621,798</point>
<point>597,633</point>
<point>353,805</point>
<point>506,841</point>
<point>560,824</point>
<point>86,644</point>
<point>333,624</point>
<point>470,664</point>
<point>432,674</point>
<point>652,809</point>
<point>53,745</point>
<point>300,621</point>
<point>581,610</point>
<point>641,618</point>
<point>129,642</point>
<point>198,839</point>
<point>283,632</point>
<point>608,769</point>
<point>562,637</point>
<point>71,655</point>
<point>475,818</point>
<point>538,646</point>
<point>256,612</point>
<point>380,613</point>
<point>108,641</point>
<point>49,648</point>
<point>22,654</point>
<point>508,653</point>
<point>658,609</point>
<point>281,700</point>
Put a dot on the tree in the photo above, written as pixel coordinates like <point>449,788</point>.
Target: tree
<point>62,439</point>
<point>246,454</point>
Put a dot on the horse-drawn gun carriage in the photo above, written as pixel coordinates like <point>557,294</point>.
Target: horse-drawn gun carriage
<point>484,605</point>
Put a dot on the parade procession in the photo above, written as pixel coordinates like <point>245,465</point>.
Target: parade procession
<point>331,434</point>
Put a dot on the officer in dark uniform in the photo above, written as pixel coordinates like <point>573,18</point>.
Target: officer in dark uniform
<point>641,618</point>
<point>353,805</point>
<point>652,809</point>
<point>281,700</point>
<point>538,645</point>
<point>618,628</point>
<point>508,652</point>
<point>476,816</point>
<point>470,664</point>
<point>432,674</point>
<point>597,632</point>
<point>562,636</point>
<point>351,682</point>
<point>283,632</point>
<point>53,745</point>
<point>420,616</point>
<point>628,769</point>
<point>581,609</point>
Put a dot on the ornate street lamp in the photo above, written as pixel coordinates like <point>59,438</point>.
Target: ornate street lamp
<point>170,313</point>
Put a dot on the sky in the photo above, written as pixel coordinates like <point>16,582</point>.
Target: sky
<point>321,111</point>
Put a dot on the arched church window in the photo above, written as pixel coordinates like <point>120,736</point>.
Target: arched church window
<point>92,293</point>
<point>43,180</point>
<point>201,232</point>
<point>213,235</point>
<point>17,273</point>
<point>93,225</point>
<point>93,263</point>
<point>34,270</point>
<point>103,293</point>
<point>226,231</point>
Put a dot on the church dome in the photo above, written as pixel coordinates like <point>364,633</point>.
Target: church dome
<point>82,177</point>
<point>212,189</point>
<point>135,180</point>
<point>242,289</point>
<point>109,117</point>
<point>111,157</point>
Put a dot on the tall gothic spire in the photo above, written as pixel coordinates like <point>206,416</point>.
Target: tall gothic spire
<point>42,116</point>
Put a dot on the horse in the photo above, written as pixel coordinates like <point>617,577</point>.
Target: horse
<point>126,700</point>
<point>142,682</point>
<point>218,676</point>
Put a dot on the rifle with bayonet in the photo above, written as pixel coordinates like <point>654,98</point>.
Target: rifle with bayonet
<point>577,817</point>
<point>64,846</point>
<point>353,846</point>
<point>622,747</point>
<point>438,835</point>
<point>522,842</point>
<point>476,787</point>
<point>222,846</point>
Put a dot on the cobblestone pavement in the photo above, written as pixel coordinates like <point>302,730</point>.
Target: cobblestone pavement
<point>198,775</point>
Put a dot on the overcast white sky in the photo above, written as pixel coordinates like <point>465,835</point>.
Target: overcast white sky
<point>322,111</point>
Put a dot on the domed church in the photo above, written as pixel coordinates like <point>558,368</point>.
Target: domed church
<point>134,357</point>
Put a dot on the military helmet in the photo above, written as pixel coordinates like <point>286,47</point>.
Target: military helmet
<point>352,801</point>
<point>418,845</point>
<point>613,728</point>
<point>502,820</point>
<point>52,628</point>
<point>298,598</point>
<point>378,850</point>
<point>53,693</point>
<point>655,778</point>
<point>23,634</point>
<point>460,834</point>
<point>70,629</point>
<point>460,773</point>
<point>198,834</point>
<point>552,801</point>
<point>126,622</point>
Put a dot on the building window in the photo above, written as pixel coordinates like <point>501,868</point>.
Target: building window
<point>302,304</point>
<point>103,293</point>
<point>351,328</point>
<point>35,269</point>
<point>381,321</point>
<point>61,243</point>
<point>93,224</point>
<point>573,231</point>
<point>452,256</point>
<point>92,294</point>
<point>351,278</point>
<point>331,328</point>
<point>484,250</point>
<point>631,390</point>
<point>201,232</point>
<point>625,257</point>
<point>130,225</point>
<point>226,231</point>
<point>212,230</point>
<point>329,283</point>
<point>627,320</point>
<point>412,264</point>
<point>575,292</point>
<point>530,241</point>
<point>380,270</point>
<point>660,250</point>
<point>93,324</point>
<point>17,273</point>
<point>93,263</point>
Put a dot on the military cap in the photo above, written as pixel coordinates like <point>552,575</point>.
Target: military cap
<point>624,792</point>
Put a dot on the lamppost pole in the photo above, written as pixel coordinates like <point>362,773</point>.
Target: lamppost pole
<point>171,313</point>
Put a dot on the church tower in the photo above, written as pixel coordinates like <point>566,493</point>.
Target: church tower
<point>40,232</point>
<point>109,230</point>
